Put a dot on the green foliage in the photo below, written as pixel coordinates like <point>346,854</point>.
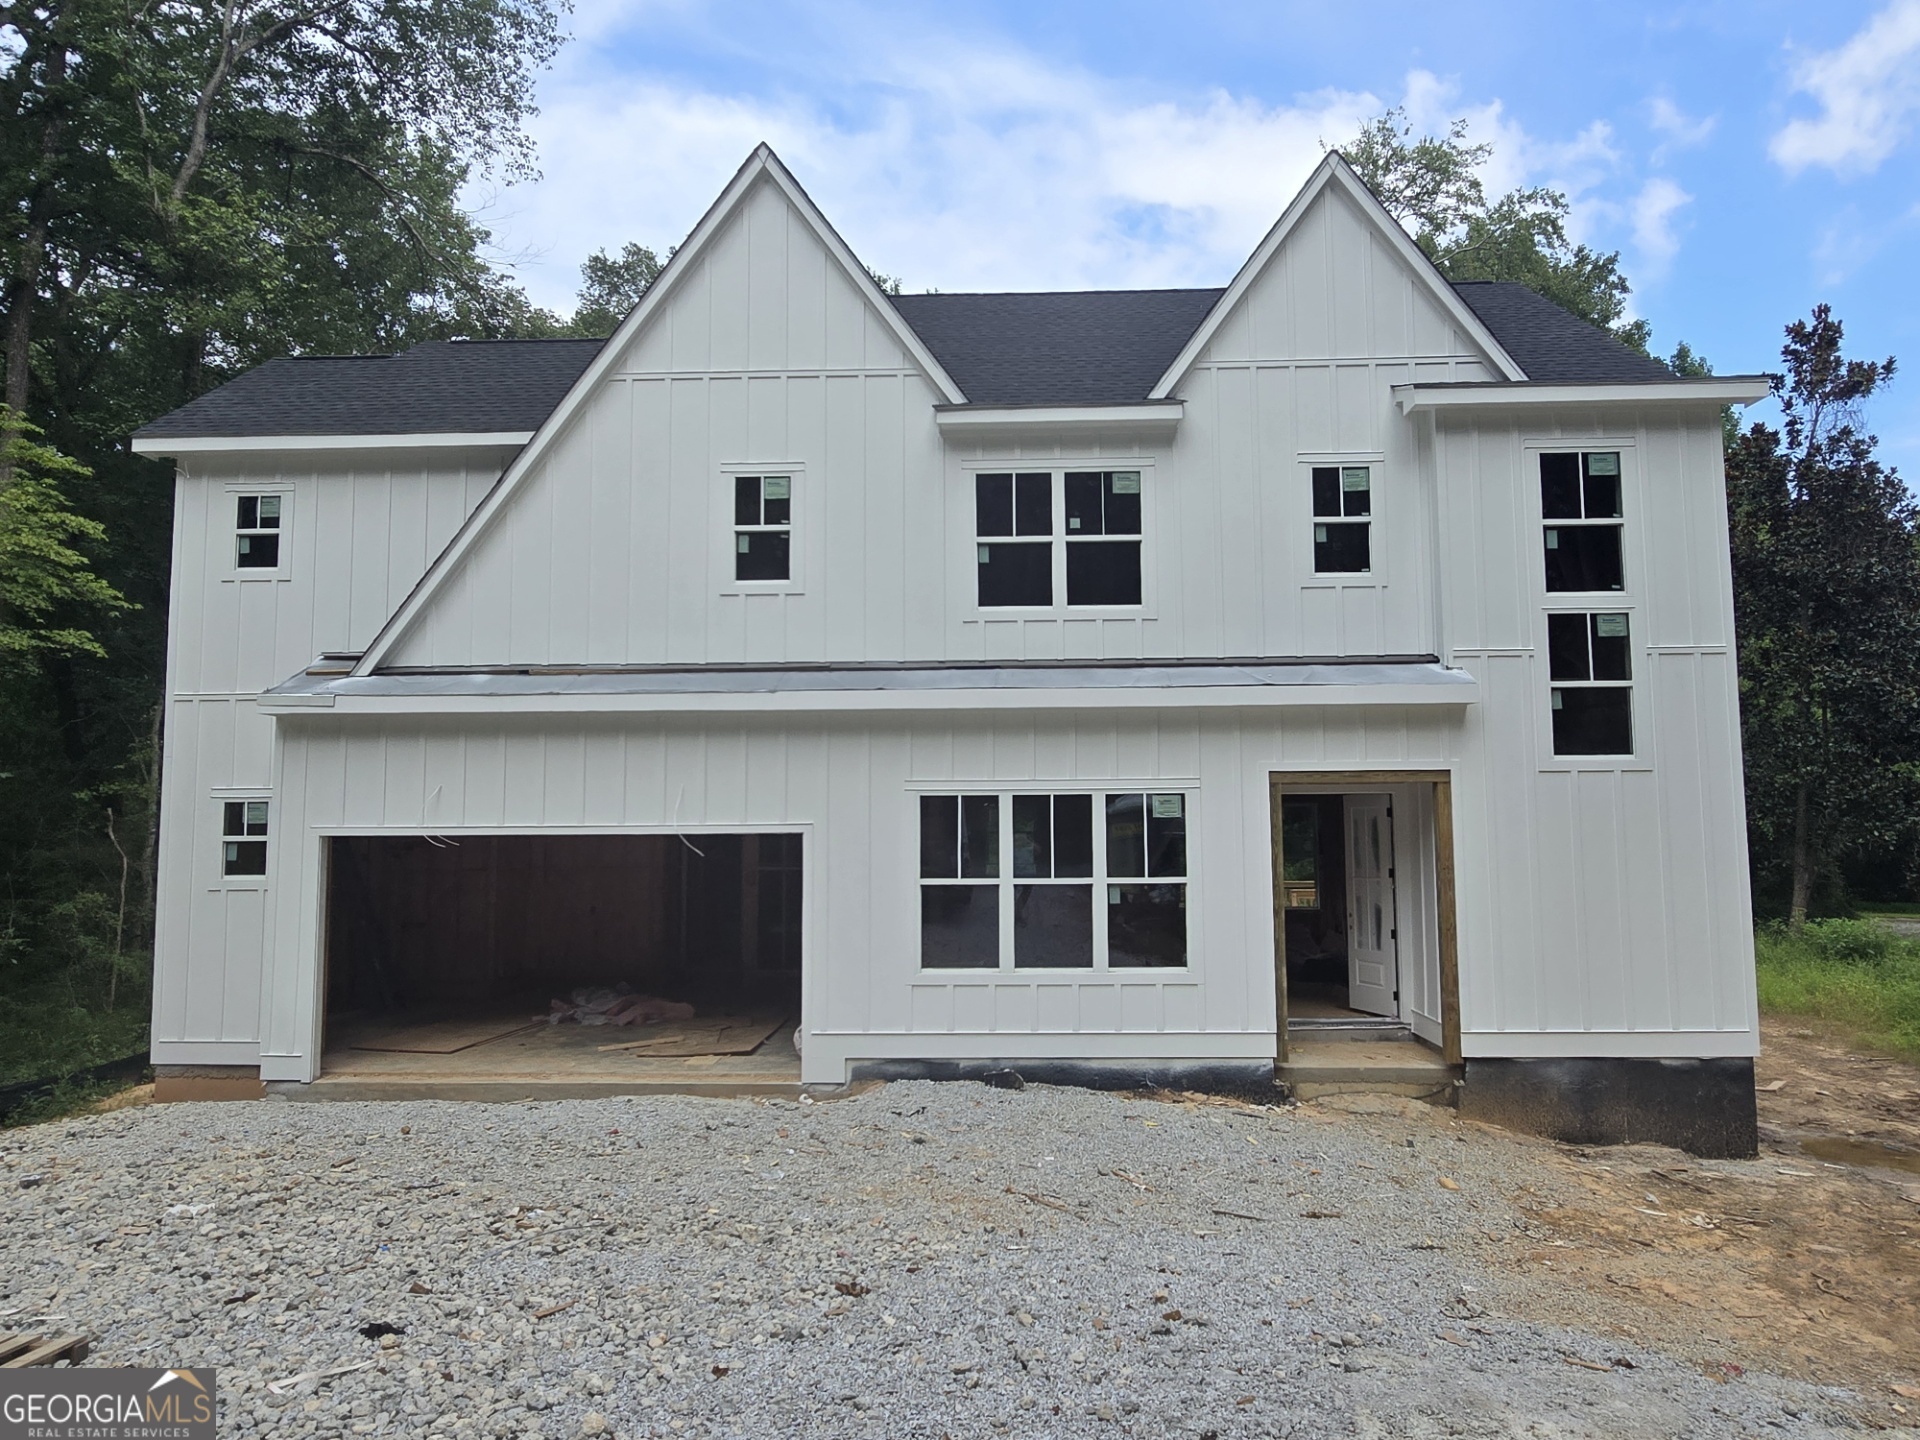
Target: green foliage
<point>1826,573</point>
<point>1856,974</point>
<point>610,287</point>
<point>1432,185</point>
<point>44,580</point>
<point>889,284</point>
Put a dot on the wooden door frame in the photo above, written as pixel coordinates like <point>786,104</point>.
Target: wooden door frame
<point>1278,782</point>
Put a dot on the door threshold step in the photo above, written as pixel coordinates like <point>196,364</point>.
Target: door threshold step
<point>1355,1028</point>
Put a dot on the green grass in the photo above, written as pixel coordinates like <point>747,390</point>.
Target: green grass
<point>1904,909</point>
<point>1854,974</point>
<point>55,1027</point>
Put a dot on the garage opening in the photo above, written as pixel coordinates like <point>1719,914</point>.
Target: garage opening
<point>600,959</point>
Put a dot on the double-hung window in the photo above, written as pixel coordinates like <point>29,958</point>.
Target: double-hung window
<point>1342,519</point>
<point>257,532</point>
<point>1013,526</point>
<point>1590,664</point>
<point>1026,557</point>
<point>243,837</point>
<point>1580,506</point>
<point>762,527</point>
<point>1055,882</point>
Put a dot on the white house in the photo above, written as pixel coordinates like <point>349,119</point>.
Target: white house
<point>1089,684</point>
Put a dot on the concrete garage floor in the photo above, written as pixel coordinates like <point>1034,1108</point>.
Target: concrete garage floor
<point>547,1062</point>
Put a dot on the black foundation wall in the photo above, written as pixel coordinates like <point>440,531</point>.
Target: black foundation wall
<point>1233,1077</point>
<point>1705,1107</point>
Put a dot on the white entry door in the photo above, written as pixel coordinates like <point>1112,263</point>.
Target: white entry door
<point>1373,952</point>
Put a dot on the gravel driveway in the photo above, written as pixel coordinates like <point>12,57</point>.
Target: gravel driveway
<point>920,1260</point>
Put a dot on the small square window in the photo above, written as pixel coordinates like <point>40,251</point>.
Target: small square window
<point>762,527</point>
<point>243,829</point>
<point>257,532</point>
<point>1342,506</point>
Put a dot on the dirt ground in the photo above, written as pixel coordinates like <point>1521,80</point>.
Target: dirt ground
<point>1805,1262</point>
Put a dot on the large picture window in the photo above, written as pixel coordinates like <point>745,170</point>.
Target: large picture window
<point>1042,535</point>
<point>1580,504</point>
<point>1053,882</point>
<point>1590,664</point>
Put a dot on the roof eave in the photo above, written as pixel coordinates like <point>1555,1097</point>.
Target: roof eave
<point>1465,395</point>
<point>180,446</point>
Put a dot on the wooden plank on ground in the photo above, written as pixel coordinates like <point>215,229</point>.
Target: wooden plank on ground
<point>715,1035</point>
<point>13,1342</point>
<point>444,1037</point>
<point>68,1347</point>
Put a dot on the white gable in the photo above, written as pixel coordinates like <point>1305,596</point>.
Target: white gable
<point>595,546</point>
<point>1337,279</point>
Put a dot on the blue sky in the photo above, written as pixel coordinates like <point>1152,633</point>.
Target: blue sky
<point>1747,160</point>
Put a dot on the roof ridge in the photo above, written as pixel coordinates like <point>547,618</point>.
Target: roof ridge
<point>1032,294</point>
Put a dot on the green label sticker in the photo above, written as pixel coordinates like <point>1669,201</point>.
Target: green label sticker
<point>1126,482</point>
<point>1113,894</point>
<point>1610,627</point>
<point>777,487</point>
<point>986,553</point>
<point>1355,477</point>
<point>1556,699</point>
<point>1553,539</point>
<point>269,508</point>
<point>1320,534</point>
<point>1605,464</point>
<point>745,541</point>
<point>1167,807</point>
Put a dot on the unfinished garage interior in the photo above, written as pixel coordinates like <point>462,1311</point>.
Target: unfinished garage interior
<point>612,961</point>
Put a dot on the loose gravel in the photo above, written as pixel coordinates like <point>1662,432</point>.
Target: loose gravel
<point>922,1260</point>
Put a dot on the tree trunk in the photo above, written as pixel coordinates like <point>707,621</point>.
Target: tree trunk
<point>23,286</point>
<point>1802,861</point>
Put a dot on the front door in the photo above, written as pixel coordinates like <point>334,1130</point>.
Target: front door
<point>1373,964</point>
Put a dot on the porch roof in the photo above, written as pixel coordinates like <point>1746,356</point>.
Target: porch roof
<point>1076,685</point>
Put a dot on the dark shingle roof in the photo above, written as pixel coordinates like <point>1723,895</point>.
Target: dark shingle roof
<point>1087,347</point>
<point>1081,347</point>
<point>1550,344</point>
<point>441,387</point>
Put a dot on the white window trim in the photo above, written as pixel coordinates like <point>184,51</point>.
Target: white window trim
<point>222,796</point>
<point>1059,610</point>
<point>1374,577</point>
<point>1626,601</point>
<point>233,573</point>
<point>720,523</point>
<point>1099,881</point>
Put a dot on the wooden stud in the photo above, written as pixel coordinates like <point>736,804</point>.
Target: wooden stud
<point>1449,929</point>
<point>15,1342</point>
<point>1279,918</point>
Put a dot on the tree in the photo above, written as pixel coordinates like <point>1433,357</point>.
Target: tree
<point>1432,186</point>
<point>1826,570</point>
<point>46,585</point>
<point>611,286</point>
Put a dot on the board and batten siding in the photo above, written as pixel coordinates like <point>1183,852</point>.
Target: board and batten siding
<point>850,787</point>
<point>358,531</point>
<point>1607,909</point>
<point>614,550</point>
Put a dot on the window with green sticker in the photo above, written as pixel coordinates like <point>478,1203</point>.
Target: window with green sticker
<point>1580,505</point>
<point>762,527</point>
<point>1590,673</point>
<point>1342,519</point>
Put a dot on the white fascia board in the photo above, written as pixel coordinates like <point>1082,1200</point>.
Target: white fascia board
<point>762,163</point>
<point>968,419</point>
<point>1335,170</point>
<point>1609,1044</point>
<point>844,702</point>
<point>1729,390</point>
<point>246,444</point>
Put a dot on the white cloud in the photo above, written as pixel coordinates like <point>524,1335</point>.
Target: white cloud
<point>1682,130</point>
<point>961,164</point>
<point>1868,91</point>
<point>1654,209</point>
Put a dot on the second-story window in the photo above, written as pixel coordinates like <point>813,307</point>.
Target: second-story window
<point>1342,519</point>
<point>257,532</point>
<point>243,837</point>
<point>1580,505</point>
<point>1590,665</point>
<point>762,527</point>
<point>1025,558</point>
<point>1013,527</point>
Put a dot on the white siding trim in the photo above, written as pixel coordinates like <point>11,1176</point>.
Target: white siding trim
<point>1735,390</point>
<point>1608,1044</point>
<point>206,1052</point>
